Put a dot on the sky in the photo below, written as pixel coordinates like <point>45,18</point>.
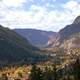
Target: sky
<point>49,15</point>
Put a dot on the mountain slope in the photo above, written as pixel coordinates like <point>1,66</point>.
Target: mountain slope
<point>72,41</point>
<point>70,36</point>
<point>36,37</point>
<point>70,29</point>
<point>14,48</point>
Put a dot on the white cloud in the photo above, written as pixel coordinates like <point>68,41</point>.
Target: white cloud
<point>38,16</point>
<point>71,5</point>
<point>50,5</point>
<point>13,3</point>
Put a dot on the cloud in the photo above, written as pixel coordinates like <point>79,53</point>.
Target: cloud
<point>13,3</point>
<point>38,16</point>
<point>71,5</point>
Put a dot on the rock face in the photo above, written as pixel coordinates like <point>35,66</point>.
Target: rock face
<point>54,41</point>
<point>72,42</point>
<point>38,38</point>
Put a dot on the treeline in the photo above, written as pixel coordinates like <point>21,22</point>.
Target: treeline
<point>70,72</point>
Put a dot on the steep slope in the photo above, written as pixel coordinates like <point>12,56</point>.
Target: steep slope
<point>37,37</point>
<point>14,48</point>
<point>70,36</point>
<point>70,29</point>
<point>72,41</point>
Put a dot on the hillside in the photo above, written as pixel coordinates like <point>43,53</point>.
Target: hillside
<point>70,38</point>
<point>70,29</point>
<point>67,38</point>
<point>14,48</point>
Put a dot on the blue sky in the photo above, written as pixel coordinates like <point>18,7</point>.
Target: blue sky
<point>50,15</point>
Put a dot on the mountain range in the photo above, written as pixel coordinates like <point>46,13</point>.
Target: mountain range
<point>38,38</point>
<point>47,39</point>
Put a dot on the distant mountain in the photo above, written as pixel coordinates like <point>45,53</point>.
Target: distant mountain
<point>38,38</point>
<point>15,48</point>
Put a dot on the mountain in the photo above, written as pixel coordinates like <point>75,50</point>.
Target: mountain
<point>70,29</point>
<point>38,38</point>
<point>67,38</point>
<point>70,37</point>
<point>15,48</point>
<point>51,40</point>
<point>77,20</point>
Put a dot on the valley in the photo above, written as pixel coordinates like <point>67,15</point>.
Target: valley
<point>28,54</point>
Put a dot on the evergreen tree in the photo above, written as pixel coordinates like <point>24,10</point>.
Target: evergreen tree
<point>55,72</point>
<point>36,73</point>
<point>76,69</point>
<point>39,74</point>
<point>47,74</point>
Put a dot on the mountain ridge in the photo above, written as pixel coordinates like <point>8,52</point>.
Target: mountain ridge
<point>70,36</point>
<point>36,37</point>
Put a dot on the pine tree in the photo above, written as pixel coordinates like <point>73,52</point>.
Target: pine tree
<point>55,72</point>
